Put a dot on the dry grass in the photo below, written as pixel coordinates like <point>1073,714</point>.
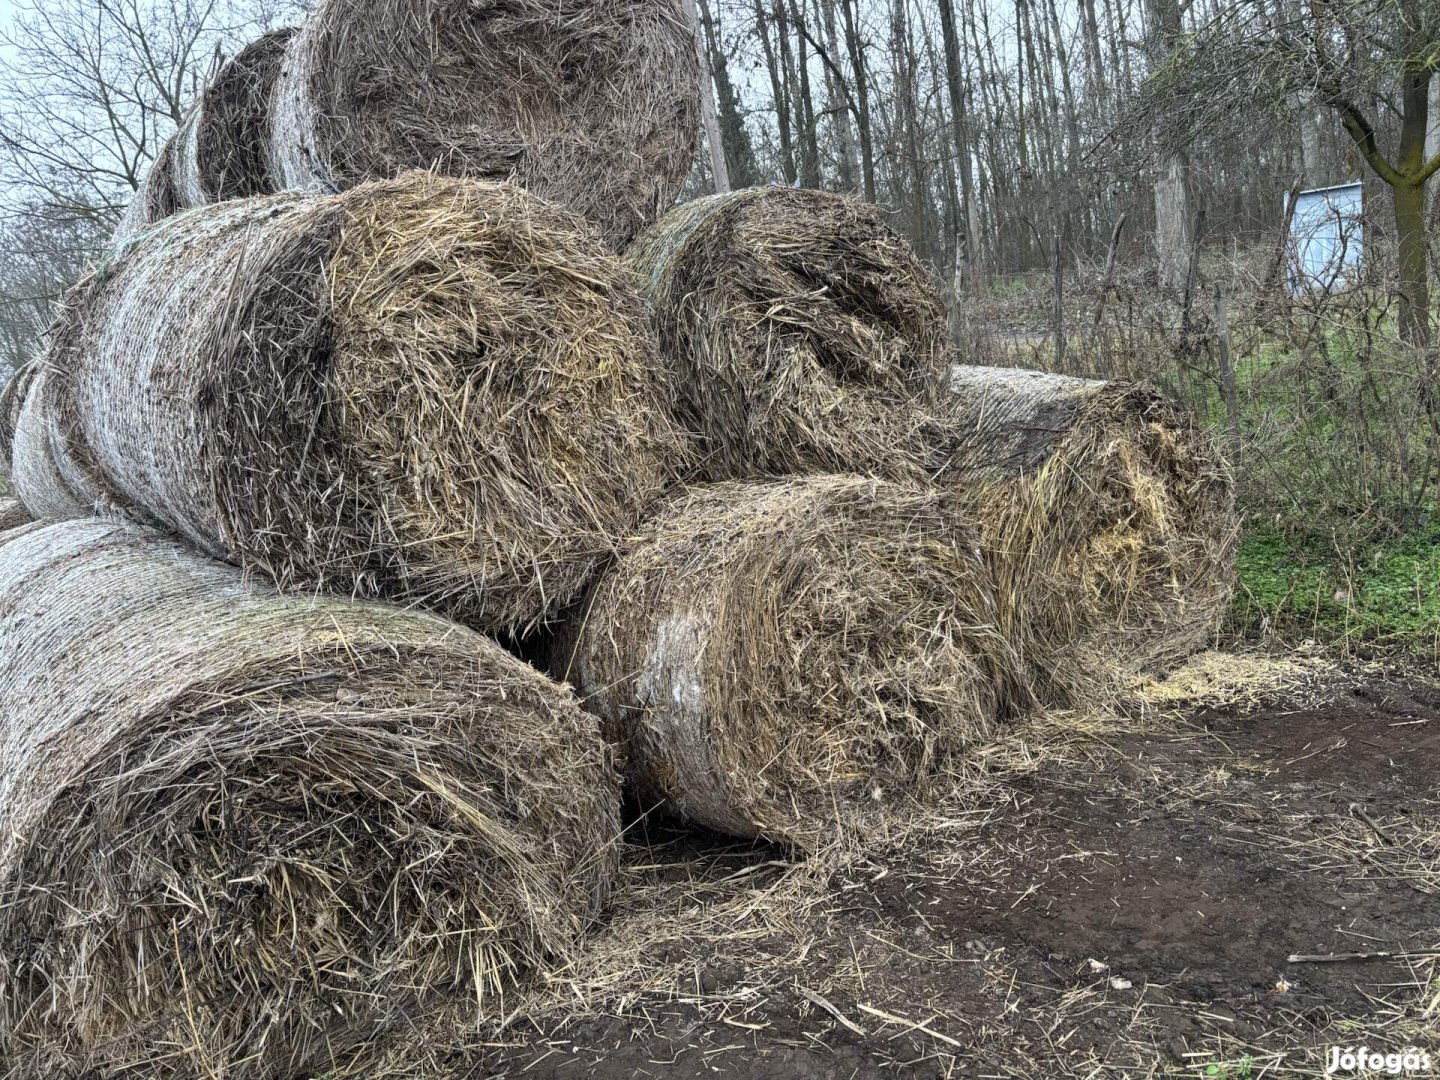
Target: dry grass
<point>801,973</point>
<point>244,834</point>
<point>799,329</point>
<point>433,390</point>
<point>1107,517</point>
<point>777,658</point>
<point>593,106</point>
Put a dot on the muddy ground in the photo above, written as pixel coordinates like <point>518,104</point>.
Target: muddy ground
<point>1125,901</point>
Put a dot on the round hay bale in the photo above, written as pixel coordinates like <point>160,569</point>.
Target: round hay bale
<point>798,327</point>
<point>12,514</point>
<point>594,105</point>
<point>1107,516</point>
<point>433,390</point>
<point>44,474</point>
<point>220,149</point>
<point>243,834</point>
<point>772,656</point>
<point>12,402</point>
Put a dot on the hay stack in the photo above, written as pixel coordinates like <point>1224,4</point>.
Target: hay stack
<point>433,390</point>
<point>592,105</point>
<point>12,403</point>
<point>772,656</point>
<point>219,151</point>
<point>12,514</point>
<point>799,328</point>
<point>1107,516</point>
<point>242,834</point>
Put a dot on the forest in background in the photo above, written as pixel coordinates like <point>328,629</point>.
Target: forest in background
<point>1100,186</point>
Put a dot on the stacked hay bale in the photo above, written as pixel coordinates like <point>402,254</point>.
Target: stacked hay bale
<point>241,834</point>
<point>431,390</point>
<point>1107,516</point>
<point>775,657</point>
<point>594,107</point>
<point>801,332</point>
<point>220,149</point>
<point>804,336</point>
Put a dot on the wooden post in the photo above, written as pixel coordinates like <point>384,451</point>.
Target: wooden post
<point>1059,309</point>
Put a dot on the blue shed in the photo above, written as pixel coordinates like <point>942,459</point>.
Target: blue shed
<point>1327,238</point>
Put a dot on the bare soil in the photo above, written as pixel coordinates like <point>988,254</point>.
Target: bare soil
<point>1125,905</point>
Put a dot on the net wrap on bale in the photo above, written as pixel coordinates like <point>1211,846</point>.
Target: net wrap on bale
<point>434,390</point>
<point>800,330</point>
<point>221,148</point>
<point>1107,516</point>
<point>592,105</point>
<point>772,657</point>
<point>12,403</point>
<point>243,834</point>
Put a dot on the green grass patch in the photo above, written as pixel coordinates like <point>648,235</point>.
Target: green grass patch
<point>1382,592</point>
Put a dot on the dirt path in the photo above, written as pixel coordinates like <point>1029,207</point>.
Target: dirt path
<point>1128,908</point>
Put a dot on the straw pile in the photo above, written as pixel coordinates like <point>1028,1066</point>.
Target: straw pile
<point>241,835</point>
<point>773,657</point>
<point>592,105</point>
<point>219,151</point>
<point>1107,517</point>
<point>800,331</point>
<point>430,390</point>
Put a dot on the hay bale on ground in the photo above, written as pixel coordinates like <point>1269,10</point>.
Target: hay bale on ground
<point>1107,516</point>
<point>12,514</point>
<point>594,105</point>
<point>799,328</point>
<point>220,149</point>
<point>433,390</point>
<point>242,834</point>
<point>771,656</point>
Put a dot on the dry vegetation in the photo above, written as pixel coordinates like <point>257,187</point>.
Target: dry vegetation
<point>431,390</point>
<point>279,827</point>
<point>938,949</point>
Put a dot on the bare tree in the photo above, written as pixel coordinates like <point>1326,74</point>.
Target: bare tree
<point>92,88</point>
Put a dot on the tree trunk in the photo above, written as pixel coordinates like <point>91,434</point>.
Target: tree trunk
<point>739,153</point>
<point>778,87</point>
<point>856,49</point>
<point>1414,265</point>
<point>809,129</point>
<point>719,173</point>
<point>1173,229</point>
<point>967,240</point>
<point>837,101</point>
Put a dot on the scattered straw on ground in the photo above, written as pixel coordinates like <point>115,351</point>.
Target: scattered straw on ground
<point>245,834</point>
<point>1213,679</point>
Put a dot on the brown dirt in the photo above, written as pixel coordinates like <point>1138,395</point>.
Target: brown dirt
<point>1189,854</point>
